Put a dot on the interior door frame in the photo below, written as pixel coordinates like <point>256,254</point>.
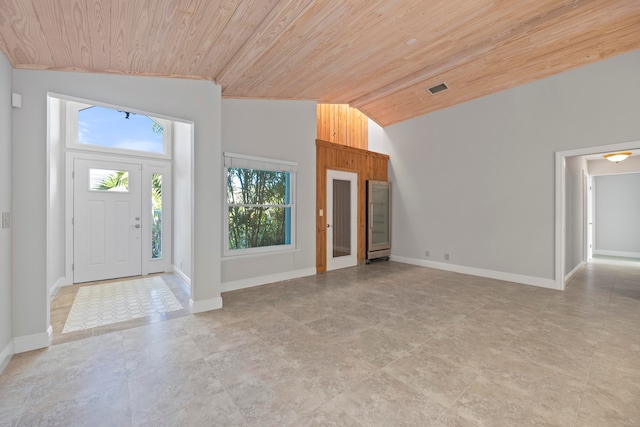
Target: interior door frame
<point>351,260</point>
<point>148,166</point>
<point>560,200</point>
<point>589,217</point>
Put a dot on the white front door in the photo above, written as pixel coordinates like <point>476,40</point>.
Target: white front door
<point>342,219</point>
<point>106,220</point>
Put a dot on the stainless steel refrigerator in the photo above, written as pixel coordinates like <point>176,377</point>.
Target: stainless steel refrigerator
<point>378,220</point>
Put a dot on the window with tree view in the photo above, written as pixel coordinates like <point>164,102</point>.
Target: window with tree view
<point>259,210</point>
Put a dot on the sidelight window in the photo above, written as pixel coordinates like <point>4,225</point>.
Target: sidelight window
<point>156,216</point>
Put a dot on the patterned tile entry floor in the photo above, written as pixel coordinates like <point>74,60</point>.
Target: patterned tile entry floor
<point>108,303</point>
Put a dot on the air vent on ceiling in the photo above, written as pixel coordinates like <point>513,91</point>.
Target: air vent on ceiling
<point>438,88</point>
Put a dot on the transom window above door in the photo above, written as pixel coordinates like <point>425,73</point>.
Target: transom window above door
<point>98,128</point>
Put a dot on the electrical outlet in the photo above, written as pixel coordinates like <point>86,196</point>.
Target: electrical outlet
<point>6,219</point>
<point>446,257</point>
<point>426,253</point>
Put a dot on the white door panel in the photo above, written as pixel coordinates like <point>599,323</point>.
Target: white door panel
<point>107,226</point>
<point>96,253</point>
<point>123,233</point>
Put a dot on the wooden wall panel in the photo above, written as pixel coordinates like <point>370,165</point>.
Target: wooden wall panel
<point>368,165</point>
<point>341,124</point>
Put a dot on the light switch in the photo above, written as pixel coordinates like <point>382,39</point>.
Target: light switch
<point>6,219</point>
<point>321,212</point>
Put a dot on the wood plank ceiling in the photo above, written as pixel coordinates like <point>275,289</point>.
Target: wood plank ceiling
<point>377,55</point>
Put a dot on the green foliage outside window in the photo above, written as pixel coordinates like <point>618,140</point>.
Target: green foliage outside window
<point>156,212</point>
<point>259,209</point>
<point>115,181</point>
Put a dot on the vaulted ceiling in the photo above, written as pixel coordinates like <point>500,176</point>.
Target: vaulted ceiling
<point>377,55</point>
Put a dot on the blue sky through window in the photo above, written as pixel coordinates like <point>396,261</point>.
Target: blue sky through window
<point>106,127</point>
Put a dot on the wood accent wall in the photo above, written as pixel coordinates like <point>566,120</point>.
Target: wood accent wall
<point>344,125</point>
<point>368,165</point>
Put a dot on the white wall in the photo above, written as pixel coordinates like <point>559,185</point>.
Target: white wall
<point>617,215</point>
<point>375,137</point>
<point>56,197</point>
<point>477,180</point>
<point>282,130</point>
<point>181,172</point>
<point>6,312</point>
<point>575,179</point>
<point>190,100</point>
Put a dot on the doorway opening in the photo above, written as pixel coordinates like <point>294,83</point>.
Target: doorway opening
<point>616,208</point>
<point>120,163</point>
<point>565,214</point>
<point>112,214</point>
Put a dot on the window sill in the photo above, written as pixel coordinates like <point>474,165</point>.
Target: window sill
<point>259,254</point>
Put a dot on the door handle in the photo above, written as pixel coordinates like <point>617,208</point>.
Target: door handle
<point>136,226</point>
<point>371,215</point>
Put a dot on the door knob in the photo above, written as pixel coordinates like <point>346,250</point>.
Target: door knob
<point>136,226</point>
<point>328,225</point>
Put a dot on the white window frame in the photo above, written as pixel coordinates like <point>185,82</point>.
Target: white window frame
<point>73,107</point>
<point>234,160</point>
<point>157,265</point>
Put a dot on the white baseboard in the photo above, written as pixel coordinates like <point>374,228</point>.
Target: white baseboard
<point>572,272</point>
<point>263,280</point>
<point>491,274</point>
<point>6,354</point>
<point>33,342</point>
<point>62,281</point>
<point>205,305</point>
<point>617,253</point>
<point>182,275</point>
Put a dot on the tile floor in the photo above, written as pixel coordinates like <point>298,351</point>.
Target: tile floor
<point>62,302</point>
<point>380,345</point>
<point>119,301</point>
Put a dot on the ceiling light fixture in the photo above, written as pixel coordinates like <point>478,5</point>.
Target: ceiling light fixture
<point>617,157</point>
